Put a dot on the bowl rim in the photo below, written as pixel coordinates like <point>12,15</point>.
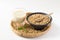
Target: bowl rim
<point>38,13</point>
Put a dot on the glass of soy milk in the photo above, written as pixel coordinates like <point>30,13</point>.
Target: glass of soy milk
<point>19,14</point>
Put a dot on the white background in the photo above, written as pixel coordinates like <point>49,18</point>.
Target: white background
<point>8,6</point>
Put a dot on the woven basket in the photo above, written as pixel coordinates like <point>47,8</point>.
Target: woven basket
<point>32,32</point>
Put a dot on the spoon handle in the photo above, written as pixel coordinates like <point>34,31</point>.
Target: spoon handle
<point>49,14</point>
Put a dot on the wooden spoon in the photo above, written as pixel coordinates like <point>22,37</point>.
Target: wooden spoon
<point>44,17</point>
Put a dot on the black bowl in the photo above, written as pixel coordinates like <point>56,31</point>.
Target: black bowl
<point>38,27</point>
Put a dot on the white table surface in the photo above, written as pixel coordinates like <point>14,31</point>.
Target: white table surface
<point>8,6</point>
